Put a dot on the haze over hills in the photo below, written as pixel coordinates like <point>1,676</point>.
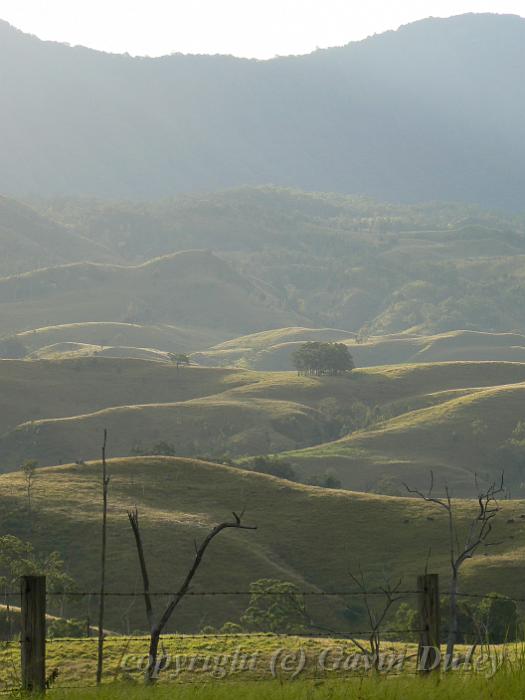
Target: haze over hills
<point>154,290</point>
<point>193,288</point>
<point>318,260</point>
<point>432,111</point>
<point>29,240</point>
<point>436,288</point>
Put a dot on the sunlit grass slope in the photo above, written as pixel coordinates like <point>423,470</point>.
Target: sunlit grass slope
<point>456,439</point>
<point>272,350</point>
<point>444,416</point>
<point>162,337</point>
<point>179,500</point>
<point>210,411</point>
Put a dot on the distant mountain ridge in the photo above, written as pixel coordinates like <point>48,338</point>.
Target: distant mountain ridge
<point>432,111</point>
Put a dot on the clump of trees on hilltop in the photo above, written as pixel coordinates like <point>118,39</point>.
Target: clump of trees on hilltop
<point>320,359</point>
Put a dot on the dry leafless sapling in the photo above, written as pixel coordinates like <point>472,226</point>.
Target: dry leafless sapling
<point>157,627</point>
<point>377,615</point>
<point>477,534</point>
<point>105,485</point>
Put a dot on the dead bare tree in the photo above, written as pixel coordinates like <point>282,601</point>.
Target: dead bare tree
<point>105,485</point>
<point>156,628</point>
<point>29,469</point>
<point>377,615</point>
<point>477,535</point>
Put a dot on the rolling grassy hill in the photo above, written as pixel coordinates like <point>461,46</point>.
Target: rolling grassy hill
<point>272,350</point>
<point>190,289</point>
<point>179,500</point>
<point>456,439</point>
<point>373,428</point>
<point>212,426</point>
<point>58,389</point>
<point>163,338</point>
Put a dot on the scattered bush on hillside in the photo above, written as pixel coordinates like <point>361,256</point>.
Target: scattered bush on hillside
<point>274,606</point>
<point>18,558</point>
<point>266,464</point>
<point>66,628</point>
<point>160,449</point>
<point>510,456</point>
<point>407,618</point>
<point>12,349</point>
<point>225,459</point>
<point>494,620</point>
<point>498,620</point>
<point>321,359</point>
<point>274,467</point>
<point>179,359</point>
<point>328,480</point>
<point>231,628</point>
<point>388,486</point>
<point>479,427</point>
<point>343,420</point>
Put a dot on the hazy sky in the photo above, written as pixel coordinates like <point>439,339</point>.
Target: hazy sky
<point>254,28</point>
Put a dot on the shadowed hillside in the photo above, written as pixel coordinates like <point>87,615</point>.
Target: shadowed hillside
<point>63,388</point>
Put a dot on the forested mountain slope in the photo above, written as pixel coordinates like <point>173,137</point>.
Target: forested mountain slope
<point>410,115</point>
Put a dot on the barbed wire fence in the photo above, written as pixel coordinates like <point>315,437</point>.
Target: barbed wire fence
<point>122,642</point>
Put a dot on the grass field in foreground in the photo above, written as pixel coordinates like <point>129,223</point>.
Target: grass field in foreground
<point>508,686</point>
<point>261,666</point>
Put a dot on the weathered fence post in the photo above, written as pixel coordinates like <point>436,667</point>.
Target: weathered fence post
<point>428,653</point>
<point>33,639</point>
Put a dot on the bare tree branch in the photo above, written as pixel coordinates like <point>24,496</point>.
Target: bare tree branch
<point>376,618</point>
<point>105,485</point>
<point>156,629</point>
<point>133,516</point>
<point>478,532</point>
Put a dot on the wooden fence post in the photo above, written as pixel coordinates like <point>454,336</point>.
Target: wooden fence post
<point>33,639</point>
<point>428,653</point>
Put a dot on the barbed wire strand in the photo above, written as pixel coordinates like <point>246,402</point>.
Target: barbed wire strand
<point>320,594</point>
